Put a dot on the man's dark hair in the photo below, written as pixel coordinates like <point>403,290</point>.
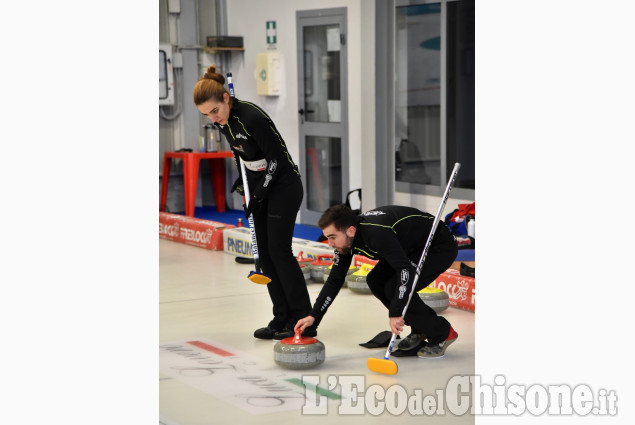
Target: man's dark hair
<point>341,216</point>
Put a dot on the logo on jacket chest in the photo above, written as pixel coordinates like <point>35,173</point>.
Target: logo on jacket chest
<point>241,136</point>
<point>374,212</point>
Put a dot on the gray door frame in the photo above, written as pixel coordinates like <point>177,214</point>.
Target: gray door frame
<point>339,130</point>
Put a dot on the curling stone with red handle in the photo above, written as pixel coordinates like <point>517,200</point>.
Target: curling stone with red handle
<point>304,260</point>
<point>299,352</point>
<point>305,272</point>
<point>317,267</point>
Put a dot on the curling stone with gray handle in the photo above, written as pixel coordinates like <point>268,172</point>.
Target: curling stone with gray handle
<point>298,352</point>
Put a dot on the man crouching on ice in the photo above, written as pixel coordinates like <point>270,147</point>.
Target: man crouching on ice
<point>395,236</point>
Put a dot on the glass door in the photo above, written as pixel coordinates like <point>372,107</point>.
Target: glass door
<point>322,110</point>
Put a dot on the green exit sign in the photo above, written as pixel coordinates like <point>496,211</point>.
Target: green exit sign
<point>272,37</point>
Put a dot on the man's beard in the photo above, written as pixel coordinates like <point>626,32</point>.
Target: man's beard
<point>347,249</point>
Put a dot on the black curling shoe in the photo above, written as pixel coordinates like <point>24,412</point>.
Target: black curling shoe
<point>265,333</point>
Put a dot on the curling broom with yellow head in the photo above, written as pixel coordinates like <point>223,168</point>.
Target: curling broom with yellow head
<point>386,366</point>
<point>255,276</point>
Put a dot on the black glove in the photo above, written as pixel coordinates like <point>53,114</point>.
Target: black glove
<point>254,204</point>
<point>238,186</point>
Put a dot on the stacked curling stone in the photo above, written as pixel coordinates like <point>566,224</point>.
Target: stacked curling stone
<point>306,273</point>
<point>357,280</point>
<point>435,298</point>
<point>352,269</point>
<point>305,262</point>
<point>299,352</point>
<point>317,267</point>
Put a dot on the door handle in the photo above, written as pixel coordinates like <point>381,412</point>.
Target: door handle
<point>302,111</point>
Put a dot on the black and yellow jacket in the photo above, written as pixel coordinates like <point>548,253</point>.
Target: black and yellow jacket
<point>392,234</point>
<point>253,136</point>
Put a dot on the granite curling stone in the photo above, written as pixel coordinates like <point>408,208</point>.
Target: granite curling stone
<point>305,272</point>
<point>305,263</point>
<point>317,267</point>
<point>357,281</point>
<point>435,298</point>
<point>352,269</point>
<point>299,352</point>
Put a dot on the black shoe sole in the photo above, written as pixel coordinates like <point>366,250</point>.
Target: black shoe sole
<point>263,337</point>
<point>265,334</point>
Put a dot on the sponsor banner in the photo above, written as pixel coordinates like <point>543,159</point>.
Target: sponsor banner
<point>310,249</point>
<point>237,241</point>
<point>460,289</point>
<point>239,378</point>
<point>192,231</point>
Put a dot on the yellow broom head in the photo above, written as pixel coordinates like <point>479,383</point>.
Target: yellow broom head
<point>387,367</point>
<point>258,278</point>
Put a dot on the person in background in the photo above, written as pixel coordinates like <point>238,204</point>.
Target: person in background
<point>396,236</point>
<point>276,194</point>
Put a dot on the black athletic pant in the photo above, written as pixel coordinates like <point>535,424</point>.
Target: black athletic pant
<point>383,281</point>
<point>274,222</point>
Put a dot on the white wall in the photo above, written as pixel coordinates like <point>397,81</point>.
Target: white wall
<point>283,109</point>
<point>247,18</point>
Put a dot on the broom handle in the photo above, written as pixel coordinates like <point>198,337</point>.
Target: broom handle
<point>254,244</point>
<point>437,218</point>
